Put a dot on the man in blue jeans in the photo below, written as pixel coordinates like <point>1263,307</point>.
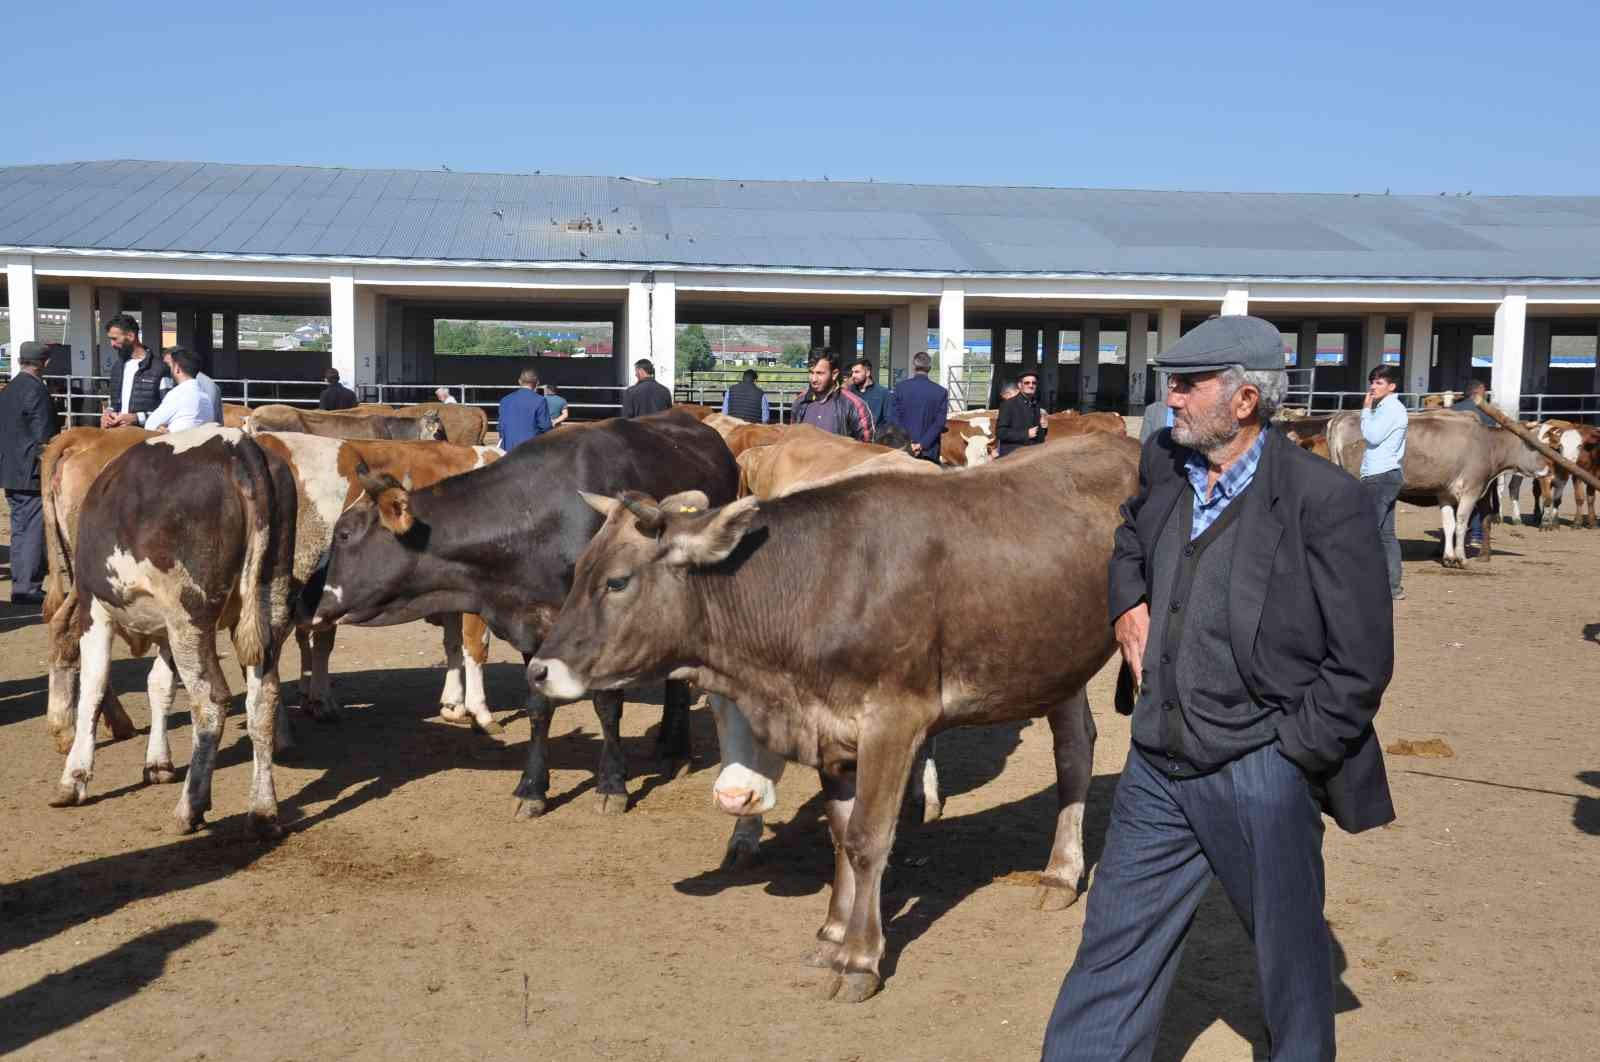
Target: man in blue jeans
<point>1383,426</point>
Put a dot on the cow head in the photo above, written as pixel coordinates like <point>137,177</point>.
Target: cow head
<point>630,592</point>
<point>372,552</point>
<point>431,426</point>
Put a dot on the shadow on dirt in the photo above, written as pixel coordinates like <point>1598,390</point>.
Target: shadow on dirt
<point>61,1000</point>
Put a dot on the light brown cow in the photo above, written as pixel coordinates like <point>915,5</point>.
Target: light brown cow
<point>745,436</point>
<point>344,425</point>
<point>806,455</point>
<point>1450,460</point>
<point>1576,443</point>
<point>463,425</point>
<point>1070,424</point>
<point>723,424</point>
<point>234,415</point>
<point>969,441</point>
<point>671,588</point>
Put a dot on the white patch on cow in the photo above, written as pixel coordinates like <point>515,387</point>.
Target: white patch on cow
<point>930,782</point>
<point>335,592</point>
<point>181,441</point>
<point>129,576</point>
<point>316,467</point>
<point>977,450</point>
<point>983,424</point>
<point>486,454</point>
<point>559,682</point>
<point>748,781</point>
<point>94,650</point>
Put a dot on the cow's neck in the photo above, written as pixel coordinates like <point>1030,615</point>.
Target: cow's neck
<point>745,647</point>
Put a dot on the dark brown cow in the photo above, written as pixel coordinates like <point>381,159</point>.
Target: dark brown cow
<point>710,596</point>
<point>179,536</point>
<point>344,425</point>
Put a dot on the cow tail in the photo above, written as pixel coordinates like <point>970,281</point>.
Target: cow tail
<point>58,553</point>
<point>253,632</point>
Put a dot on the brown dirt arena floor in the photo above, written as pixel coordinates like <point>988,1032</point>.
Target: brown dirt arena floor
<point>408,916</point>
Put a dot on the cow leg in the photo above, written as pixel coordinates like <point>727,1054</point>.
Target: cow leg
<point>611,778</point>
<point>320,701</point>
<point>453,700</point>
<point>883,768</point>
<point>672,740</point>
<point>161,687</point>
<point>1447,523</point>
<point>1072,726</point>
<point>923,800</point>
<point>115,717</point>
<point>534,786</point>
<point>475,643</point>
<point>839,796</point>
<point>61,713</point>
<point>747,785</point>
<point>1552,512</point>
<point>195,650</point>
<point>261,699</point>
<point>94,660</point>
<point>1463,513</point>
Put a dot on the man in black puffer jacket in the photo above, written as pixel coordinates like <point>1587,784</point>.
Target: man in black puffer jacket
<point>138,379</point>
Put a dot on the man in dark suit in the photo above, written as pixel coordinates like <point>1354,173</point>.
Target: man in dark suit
<point>28,421</point>
<point>1021,422</point>
<point>921,406</point>
<point>646,396</point>
<point>1251,605</point>
<point>336,395</point>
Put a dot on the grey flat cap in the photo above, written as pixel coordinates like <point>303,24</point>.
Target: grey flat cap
<point>1224,341</point>
<point>32,352</point>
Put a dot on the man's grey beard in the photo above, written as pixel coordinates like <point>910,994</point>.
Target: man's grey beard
<point>1209,436</point>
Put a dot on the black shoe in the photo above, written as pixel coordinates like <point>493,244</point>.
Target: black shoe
<point>27,599</point>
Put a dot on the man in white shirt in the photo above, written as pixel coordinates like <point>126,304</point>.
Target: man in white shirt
<point>188,404</point>
<point>206,384</point>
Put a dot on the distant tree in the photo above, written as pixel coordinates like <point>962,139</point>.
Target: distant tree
<point>564,347</point>
<point>694,350</point>
<point>795,355</point>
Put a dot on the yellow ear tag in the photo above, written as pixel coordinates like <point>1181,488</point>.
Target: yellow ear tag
<point>688,508</point>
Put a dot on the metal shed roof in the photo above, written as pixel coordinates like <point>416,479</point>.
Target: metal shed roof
<point>298,211</point>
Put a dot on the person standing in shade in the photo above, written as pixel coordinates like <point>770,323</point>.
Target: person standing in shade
<point>444,397</point>
<point>646,396</point>
<point>28,420</point>
<point>869,390</point>
<point>921,407</point>
<point>1383,427</point>
<point>188,405</point>
<point>833,408</point>
<point>138,378</point>
<point>746,400</point>
<point>524,414</point>
<point>1257,637</point>
<point>1021,422</point>
<point>559,412</point>
<point>336,395</point>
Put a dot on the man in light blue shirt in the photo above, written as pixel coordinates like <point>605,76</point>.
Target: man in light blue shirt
<point>1383,426</point>
<point>188,404</point>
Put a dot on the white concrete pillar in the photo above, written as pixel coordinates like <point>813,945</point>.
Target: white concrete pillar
<point>1418,358</point>
<point>1138,358</point>
<point>22,294</point>
<point>1236,302</point>
<point>342,323</point>
<point>150,327</point>
<point>1373,331</point>
<point>664,328</point>
<point>872,344</point>
<point>1170,326</point>
<point>636,334</point>
<point>953,341</point>
<point>1505,379</point>
<point>900,345</point>
<point>1088,360</point>
<point>80,322</point>
<point>366,326</point>
<point>110,304</point>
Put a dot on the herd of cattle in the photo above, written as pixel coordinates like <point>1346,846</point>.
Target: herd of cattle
<point>677,546</point>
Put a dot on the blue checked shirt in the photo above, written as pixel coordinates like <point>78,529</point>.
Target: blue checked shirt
<point>1229,485</point>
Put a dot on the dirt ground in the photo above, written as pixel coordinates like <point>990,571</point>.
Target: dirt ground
<point>408,916</point>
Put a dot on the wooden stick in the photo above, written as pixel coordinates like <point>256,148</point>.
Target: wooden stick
<point>1555,456</point>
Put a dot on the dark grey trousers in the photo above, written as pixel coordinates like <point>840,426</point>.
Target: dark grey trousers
<point>27,541</point>
<point>1255,826</point>
<point>1384,490</point>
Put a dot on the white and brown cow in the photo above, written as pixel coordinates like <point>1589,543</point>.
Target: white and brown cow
<point>670,588</point>
<point>180,536</point>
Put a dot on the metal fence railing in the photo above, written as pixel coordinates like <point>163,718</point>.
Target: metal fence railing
<point>1584,408</point>
<point>783,386</point>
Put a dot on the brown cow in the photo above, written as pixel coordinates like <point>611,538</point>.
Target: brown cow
<point>745,436</point>
<point>968,441</point>
<point>1070,424</point>
<point>1450,460</point>
<point>695,410</point>
<point>723,424</point>
<point>805,455</point>
<point>463,425</point>
<point>234,415</point>
<point>344,425</point>
<point>671,588</point>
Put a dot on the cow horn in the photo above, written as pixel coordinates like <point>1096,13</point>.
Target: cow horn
<point>645,512</point>
<point>376,484</point>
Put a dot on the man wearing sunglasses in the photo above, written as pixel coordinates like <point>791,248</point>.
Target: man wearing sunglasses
<point>1021,421</point>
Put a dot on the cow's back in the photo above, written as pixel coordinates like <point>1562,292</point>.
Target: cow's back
<point>464,425</point>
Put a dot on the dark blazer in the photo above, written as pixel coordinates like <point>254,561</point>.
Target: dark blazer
<point>1017,414</point>
<point>336,397</point>
<point>28,420</point>
<point>921,407</point>
<point>1310,617</point>
<point>646,397</point>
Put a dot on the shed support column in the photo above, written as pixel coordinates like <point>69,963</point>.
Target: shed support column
<point>844,340</point>
<point>997,366</point>
<point>1170,325</point>
<point>23,301</point>
<point>953,343</point>
<point>1050,366</point>
<point>1377,325</point>
<point>899,345</point>
<point>342,297</point>
<point>80,321</point>
<point>872,343</point>
<point>1030,350</point>
<point>664,328</point>
<point>394,340</point>
<point>225,362</point>
<point>819,336</point>
<point>1236,302</point>
<point>917,333</point>
<point>636,333</point>
<point>1138,359</point>
<point>1536,358</point>
<point>1505,379</point>
<point>1419,351</point>
<point>151,329</point>
<point>203,344</point>
<point>110,304</point>
<point>1088,361</point>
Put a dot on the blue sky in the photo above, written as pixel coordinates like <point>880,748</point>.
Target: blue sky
<point>1414,97</point>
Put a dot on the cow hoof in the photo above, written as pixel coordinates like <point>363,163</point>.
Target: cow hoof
<point>187,822</point>
<point>121,728</point>
<point>821,955</point>
<point>611,803</point>
<point>69,796</point>
<point>530,808</point>
<point>489,727</point>
<point>159,773</point>
<point>853,987</point>
<point>64,740</point>
<point>454,713</point>
<point>1053,897</point>
<point>740,857</point>
<point>675,767</point>
<point>266,826</point>
<point>932,810</point>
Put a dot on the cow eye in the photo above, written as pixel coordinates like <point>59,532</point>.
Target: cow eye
<point>616,583</point>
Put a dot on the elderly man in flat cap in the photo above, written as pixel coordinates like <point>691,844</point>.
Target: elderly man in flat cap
<point>28,421</point>
<point>1251,605</point>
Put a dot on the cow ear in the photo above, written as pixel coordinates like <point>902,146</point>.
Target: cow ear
<point>394,509</point>
<point>689,501</point>
<point>699,541</point>
<point>373,485</point>
<point>601,504</point>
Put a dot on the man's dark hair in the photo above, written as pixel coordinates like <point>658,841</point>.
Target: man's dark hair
<point>528,377</point>
<point>644,365</point>
<point>862,359</point>
<point>550,389</point>
<point>749,376</point>
<point>1386,373</point>
<point>186,359</point>
<point>127,322</point>
<point>1473,386</point>
<point>825,355</point>
<point>331,377</point>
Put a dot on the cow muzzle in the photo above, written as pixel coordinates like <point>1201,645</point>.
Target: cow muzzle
<point>555,680</point>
